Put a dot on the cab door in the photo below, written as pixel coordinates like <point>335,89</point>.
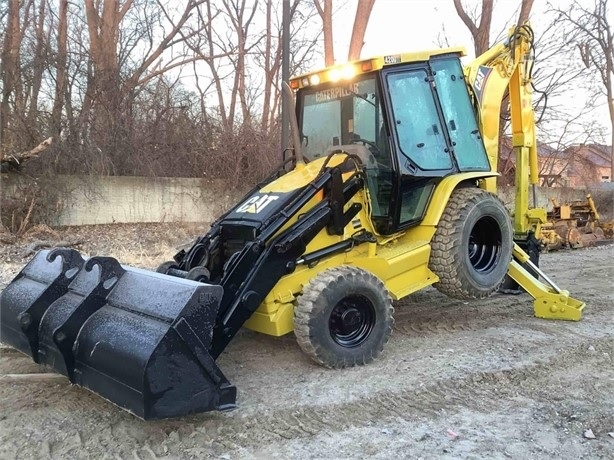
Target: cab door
<point>459,115</point>
<point>419,135</point>
<point>420,140</point>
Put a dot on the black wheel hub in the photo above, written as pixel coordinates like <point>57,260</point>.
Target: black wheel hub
<point>485,244</point>
<point>351,321</point>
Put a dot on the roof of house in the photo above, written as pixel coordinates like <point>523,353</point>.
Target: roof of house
<point>597,154</point>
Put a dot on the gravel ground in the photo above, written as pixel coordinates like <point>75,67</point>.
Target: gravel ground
<point>480,379</point>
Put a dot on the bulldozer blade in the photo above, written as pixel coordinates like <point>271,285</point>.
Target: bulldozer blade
<point>137,338</point>
<point>26,299</point>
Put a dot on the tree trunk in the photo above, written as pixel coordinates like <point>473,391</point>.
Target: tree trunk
<point>326,14</point>
<point>268,76</point>
<point>37,69</point>
<point>481,32</point>
<point>363,13</point>
<point>60,69</point>
<point>611,108</point>
<point>9,71</point>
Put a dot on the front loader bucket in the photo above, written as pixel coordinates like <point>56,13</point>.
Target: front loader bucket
<point>139,339</point>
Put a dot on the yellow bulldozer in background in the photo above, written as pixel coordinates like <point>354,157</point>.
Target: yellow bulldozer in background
<point>390,188</point>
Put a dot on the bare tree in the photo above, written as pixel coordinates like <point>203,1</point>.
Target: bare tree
<point>361,20</point>
<point>60,68</point>
<point>96,76</point>
<point>241,17</point>
<point>326,14</point>
<point>479,24</point>
<point>10,69</point>
<point>593,35</point>
<point>110,93</point>
<point>270,54</point>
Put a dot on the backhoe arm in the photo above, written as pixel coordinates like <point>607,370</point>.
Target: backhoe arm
<point>503,71</point>
<point>507,67</point>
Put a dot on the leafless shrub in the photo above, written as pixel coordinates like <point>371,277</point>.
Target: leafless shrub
<point>26,202</point>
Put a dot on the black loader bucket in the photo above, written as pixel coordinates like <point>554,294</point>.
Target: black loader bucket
<point>139,339</point>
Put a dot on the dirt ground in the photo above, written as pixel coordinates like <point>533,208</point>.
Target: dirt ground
<point>458,379</point>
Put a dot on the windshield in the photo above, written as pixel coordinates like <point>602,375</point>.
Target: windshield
<point>343,114</point>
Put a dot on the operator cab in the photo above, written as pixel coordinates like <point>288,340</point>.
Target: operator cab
<point>409,118</point>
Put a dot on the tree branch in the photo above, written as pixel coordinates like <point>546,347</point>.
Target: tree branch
<point>14,161</point>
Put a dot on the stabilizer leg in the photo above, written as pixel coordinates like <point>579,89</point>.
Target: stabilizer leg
<point>551,302</point>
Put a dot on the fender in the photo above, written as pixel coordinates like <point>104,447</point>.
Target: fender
<point>444,190</point>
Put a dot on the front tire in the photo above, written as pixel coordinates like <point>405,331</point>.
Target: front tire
<point>344,317</point>
<point>472,246</point>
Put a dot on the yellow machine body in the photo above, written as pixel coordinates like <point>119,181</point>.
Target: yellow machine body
<point>391,189</point>
<point>401,260</point>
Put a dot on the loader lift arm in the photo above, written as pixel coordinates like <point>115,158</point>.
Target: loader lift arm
<point>264,261</point>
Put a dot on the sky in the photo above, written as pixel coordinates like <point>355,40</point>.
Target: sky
<point>409,25</point>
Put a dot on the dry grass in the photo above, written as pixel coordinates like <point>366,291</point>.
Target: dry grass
<point>140,245</point>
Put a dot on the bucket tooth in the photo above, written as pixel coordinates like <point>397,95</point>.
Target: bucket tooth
<point>26,299</point>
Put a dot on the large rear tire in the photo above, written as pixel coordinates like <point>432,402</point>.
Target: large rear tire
<point>472,246</point>
<point>344,317</point>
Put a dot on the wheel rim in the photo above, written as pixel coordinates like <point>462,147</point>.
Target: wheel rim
<point>351,321</point>
<point>485,244</point>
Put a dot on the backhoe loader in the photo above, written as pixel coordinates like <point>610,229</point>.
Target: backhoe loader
<point>389,189</point>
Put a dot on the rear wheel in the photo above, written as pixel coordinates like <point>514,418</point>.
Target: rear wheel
<point>344,317</point>
<point>472,246</point>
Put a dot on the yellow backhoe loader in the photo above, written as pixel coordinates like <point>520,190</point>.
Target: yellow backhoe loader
<point>390,188</point>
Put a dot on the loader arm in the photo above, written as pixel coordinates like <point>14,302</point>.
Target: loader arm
<point>263,262</point>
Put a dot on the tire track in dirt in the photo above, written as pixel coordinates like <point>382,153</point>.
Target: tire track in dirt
<point>416,320</point>
<point>482,391</point>
<point>457,317</point>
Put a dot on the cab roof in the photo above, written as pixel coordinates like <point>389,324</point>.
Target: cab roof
<point>349,70</point>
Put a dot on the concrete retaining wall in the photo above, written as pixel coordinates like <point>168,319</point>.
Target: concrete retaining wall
<point>82,200</point>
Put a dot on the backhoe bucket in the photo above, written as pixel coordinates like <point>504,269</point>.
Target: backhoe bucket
<point>139,339</point>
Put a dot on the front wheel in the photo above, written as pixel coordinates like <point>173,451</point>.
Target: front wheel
<point>344,317</point>
<point>472,246</point>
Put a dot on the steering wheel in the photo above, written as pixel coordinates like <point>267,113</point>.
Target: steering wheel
<point>365,142</point>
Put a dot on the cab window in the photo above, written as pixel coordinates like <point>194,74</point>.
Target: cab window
<point>416,122</point>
